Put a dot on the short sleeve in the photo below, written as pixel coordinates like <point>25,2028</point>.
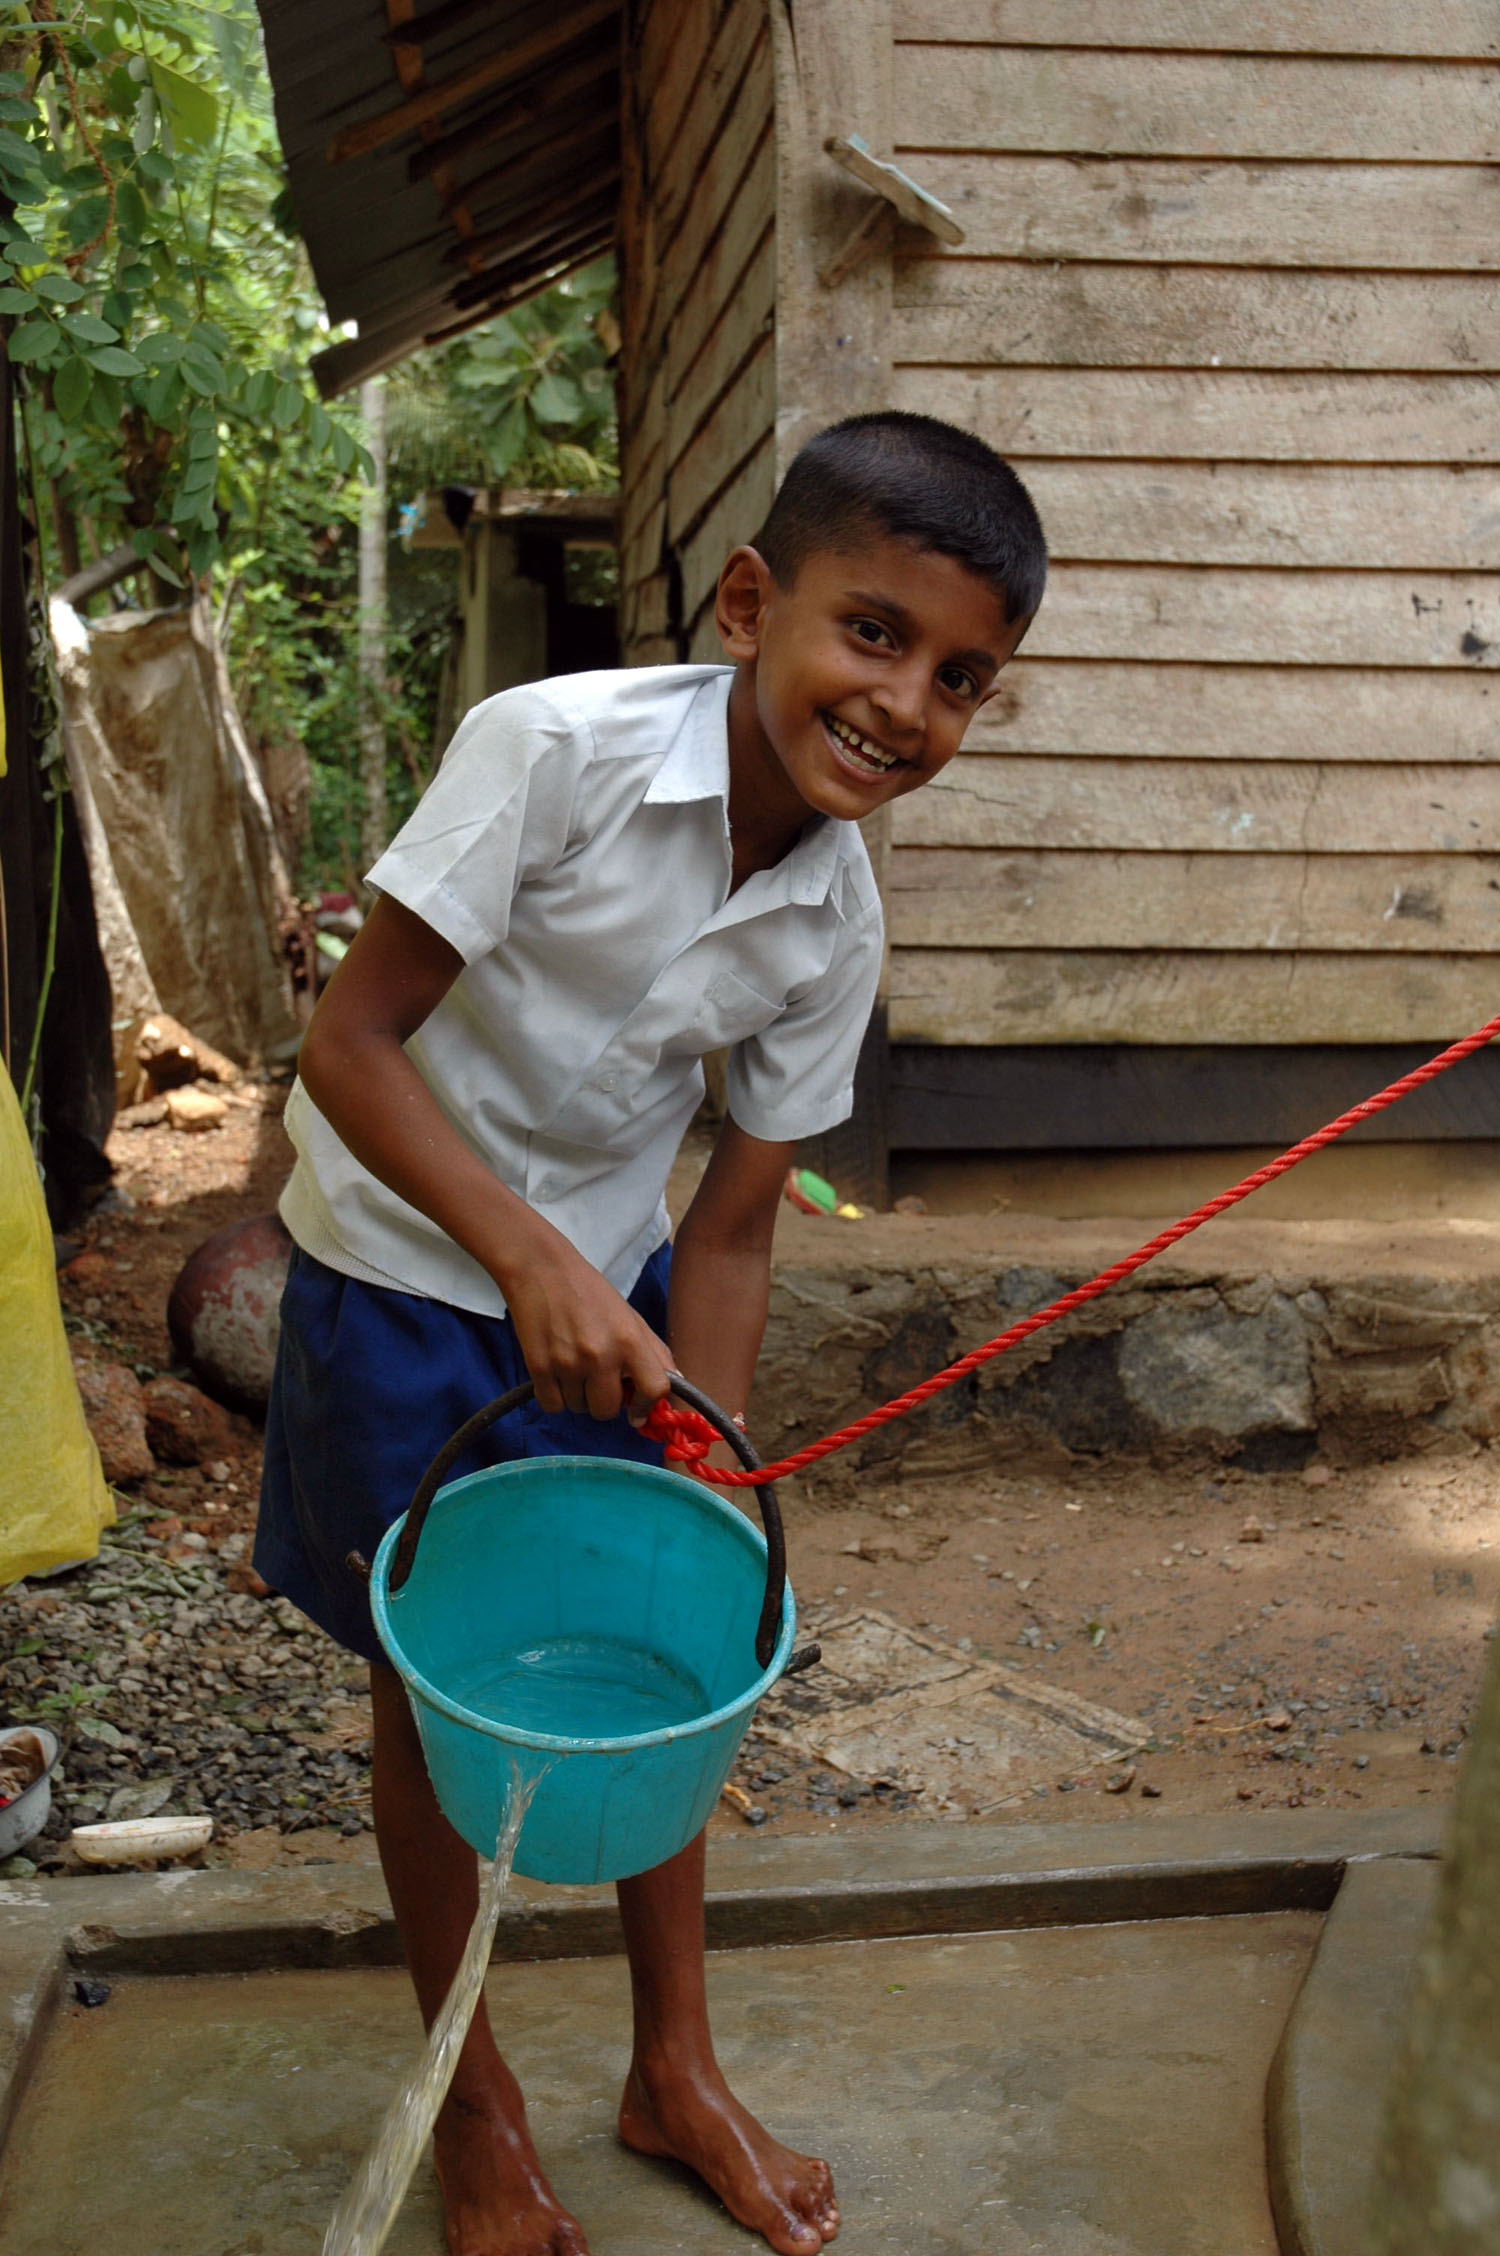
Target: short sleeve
<point>497,812</point>
<point>796,1078</point>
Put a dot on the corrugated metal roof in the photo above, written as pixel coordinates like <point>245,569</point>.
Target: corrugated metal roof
<point>444,163</point>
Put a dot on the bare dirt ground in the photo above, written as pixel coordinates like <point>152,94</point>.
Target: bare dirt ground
<point>1302,1639</point>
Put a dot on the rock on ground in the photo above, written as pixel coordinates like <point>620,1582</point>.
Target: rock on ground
<point>115,1408</point>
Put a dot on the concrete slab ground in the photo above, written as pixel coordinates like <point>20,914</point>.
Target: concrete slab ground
<point>1031,2041</point>
<point>992,2092</point>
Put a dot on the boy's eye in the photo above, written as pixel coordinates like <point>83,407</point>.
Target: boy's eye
<point>958,682</point>
<point>870,630</point>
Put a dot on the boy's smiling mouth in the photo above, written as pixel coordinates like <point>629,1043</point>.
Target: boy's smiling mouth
<point>856,751</point>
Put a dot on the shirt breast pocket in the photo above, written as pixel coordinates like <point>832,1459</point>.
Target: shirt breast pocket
<point>731,1011</point>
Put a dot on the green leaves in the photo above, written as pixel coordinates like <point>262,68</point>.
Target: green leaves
<point>87,220</point>
<point>21,164</point>
<point>71,387</point>
<point>162,321</point>
<point>112,360</point>
<point>555,399</point>
<point>35,343</point>
<point>189,109</point>
<point>161,396</point>
<point>259,393</point>
<point>201,372</point>
<point>160,349</point>
<point>61,289</point>
<point>528,397</point>
<point>132,213</point>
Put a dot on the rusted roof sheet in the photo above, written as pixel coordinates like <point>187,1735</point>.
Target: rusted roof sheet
<point>445,161</point>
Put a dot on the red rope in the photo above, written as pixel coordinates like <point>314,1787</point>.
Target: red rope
<point>688,1437</point>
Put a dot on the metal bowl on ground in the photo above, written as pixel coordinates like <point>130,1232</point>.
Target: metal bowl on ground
<point>22,1818</point>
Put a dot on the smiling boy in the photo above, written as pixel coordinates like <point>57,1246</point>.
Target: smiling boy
<point>611,875</point>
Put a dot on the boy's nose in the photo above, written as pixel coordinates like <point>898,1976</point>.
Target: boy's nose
<point>901,701</point>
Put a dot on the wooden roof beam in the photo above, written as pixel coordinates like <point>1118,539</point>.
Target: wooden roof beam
<point>445,18</point>
<point>528,286</point>
<point>493,69</point>
<point>524,109</point>
<point>544,245</point>
<point>503,236</point>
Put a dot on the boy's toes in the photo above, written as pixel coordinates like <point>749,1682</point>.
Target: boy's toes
<point>818,2204</point>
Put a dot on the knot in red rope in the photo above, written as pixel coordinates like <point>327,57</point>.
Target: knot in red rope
<point>685,1435</point>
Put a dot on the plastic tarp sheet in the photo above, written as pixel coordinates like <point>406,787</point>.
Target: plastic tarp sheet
<point>192,890</point>
<point>53,1498</point>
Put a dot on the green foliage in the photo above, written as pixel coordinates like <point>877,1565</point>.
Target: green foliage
<point>160,310</point>
<point>291,636</point>
<point>163,315</point>
<point>526,400</point>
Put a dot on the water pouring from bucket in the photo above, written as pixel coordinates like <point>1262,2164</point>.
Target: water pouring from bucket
<point>363,2219</point>
<point>605,1626</point>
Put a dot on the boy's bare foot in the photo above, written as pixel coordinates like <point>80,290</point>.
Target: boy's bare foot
<point>696,2119</point>
<point>496,2201</point>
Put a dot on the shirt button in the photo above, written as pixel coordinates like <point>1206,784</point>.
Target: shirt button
<point>607,1080</point>
<point>547,1187</point>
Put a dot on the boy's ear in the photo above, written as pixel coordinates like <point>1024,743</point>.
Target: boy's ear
<point>744,589</point>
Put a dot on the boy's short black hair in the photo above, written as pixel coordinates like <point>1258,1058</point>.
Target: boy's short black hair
<point>911,478</point>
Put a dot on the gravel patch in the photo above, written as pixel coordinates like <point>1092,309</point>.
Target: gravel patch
<point>174,1688</point>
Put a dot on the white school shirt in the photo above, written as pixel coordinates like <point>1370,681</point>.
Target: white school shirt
<point>574,848</point>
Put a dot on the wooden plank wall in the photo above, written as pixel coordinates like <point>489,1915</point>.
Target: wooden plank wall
<point>1228,301</point>
<point>698,249</point>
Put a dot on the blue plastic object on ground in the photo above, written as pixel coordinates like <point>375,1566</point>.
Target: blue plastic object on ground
<point>593,1619</point>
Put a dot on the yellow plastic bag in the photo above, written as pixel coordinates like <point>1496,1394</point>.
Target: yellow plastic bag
<point>53,1498</point>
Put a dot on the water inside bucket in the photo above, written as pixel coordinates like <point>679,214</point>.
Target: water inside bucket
<point>580,1688</point>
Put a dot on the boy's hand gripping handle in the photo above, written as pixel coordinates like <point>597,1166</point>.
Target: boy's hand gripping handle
<point>770,1510</point>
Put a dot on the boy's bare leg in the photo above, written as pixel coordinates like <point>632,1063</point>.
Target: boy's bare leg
<point>496,2202</point>
<point>676,2101</point>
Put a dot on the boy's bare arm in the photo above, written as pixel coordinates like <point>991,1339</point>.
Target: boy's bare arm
<point>721,1266</point>
<point>580,1340</point>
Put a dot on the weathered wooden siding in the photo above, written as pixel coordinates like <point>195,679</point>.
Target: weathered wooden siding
<point>1227,297</point>
<point>698,252</point>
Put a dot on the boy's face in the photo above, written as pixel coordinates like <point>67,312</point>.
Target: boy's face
<point>866,672</point>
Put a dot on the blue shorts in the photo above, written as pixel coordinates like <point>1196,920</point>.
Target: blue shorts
<point>369,1384</point>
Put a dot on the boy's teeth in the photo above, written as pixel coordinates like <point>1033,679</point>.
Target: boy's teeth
<point>860,744</point>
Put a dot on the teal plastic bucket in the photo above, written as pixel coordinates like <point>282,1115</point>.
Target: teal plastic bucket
<point>592,1623</point>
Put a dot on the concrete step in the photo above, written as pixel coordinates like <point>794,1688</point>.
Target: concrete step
<point>1327,2086</point>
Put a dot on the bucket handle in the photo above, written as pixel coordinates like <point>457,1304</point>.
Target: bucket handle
<point>447,1457</point>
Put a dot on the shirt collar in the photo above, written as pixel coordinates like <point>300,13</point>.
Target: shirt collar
<point>697,762</point>
<point>697,767</point>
